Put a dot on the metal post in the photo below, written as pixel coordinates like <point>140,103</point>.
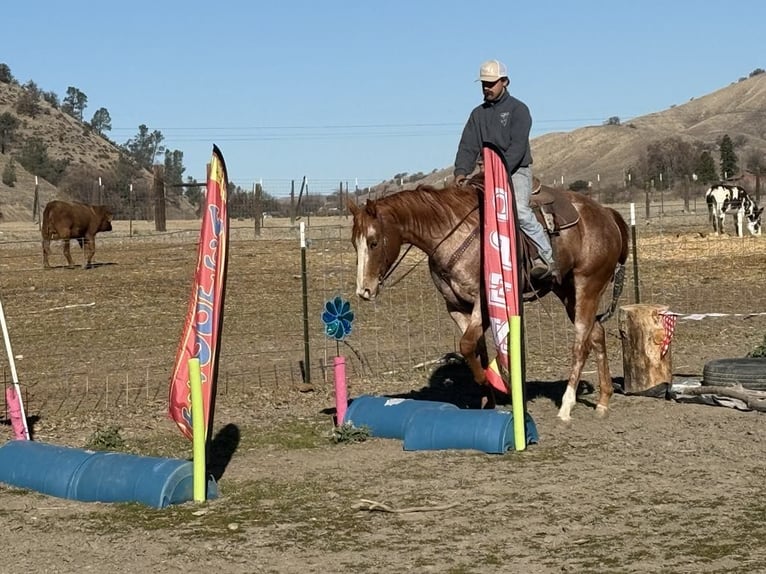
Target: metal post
<point>304,282</point>
<point>636,295</point>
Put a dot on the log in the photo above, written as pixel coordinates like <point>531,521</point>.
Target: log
<point>642,332</point>
<point>755,400</point>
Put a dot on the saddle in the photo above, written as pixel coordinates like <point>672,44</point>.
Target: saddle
<point>553,210</point>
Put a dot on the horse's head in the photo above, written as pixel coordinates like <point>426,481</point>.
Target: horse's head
<point>754,221</point>
<point>377,245</point>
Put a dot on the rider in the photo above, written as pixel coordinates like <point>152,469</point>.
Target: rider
<point>504,122</point>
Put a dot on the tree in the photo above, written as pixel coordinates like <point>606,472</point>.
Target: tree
<point>192,191</point>
<point>5,74</point>
<point>8,125</point>
<point>612,121</point>
<point>728,158</point>
<point>29,102</point>
<point>705,169</point>
<point>101,121</point>
<point>52,98</point>
<point>9,173</point>
<point>34,158</point>
<point>755,162</point>
<point>75,102</point>
<point>668,159</point>
<point>174,167</point>
<point>145,147</point>
<point>579,185</point>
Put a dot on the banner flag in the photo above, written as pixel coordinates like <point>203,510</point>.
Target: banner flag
<point>502,280</point>
<point>204,317</point>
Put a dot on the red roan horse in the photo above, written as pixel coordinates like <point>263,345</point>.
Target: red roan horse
<point>590,255</point>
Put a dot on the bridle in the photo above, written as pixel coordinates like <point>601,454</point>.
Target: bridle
<point>455,256</point>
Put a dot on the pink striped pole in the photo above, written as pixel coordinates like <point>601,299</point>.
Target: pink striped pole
<point>14,411</point>
<point>341,392</point>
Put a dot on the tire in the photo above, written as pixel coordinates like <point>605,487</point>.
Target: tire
<point>749,372</point>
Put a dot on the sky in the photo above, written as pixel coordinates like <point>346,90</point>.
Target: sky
<point>336,90</point>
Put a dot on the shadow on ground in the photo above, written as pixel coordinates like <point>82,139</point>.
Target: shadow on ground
<point>452,382</point>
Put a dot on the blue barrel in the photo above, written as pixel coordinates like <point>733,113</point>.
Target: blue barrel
<point>489,431</point>
<point>40,467</point>
<point>120,477</point>
<point>98,476</point>
<point>388,417</point>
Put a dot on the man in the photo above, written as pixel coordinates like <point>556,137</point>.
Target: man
<point>504,122</point>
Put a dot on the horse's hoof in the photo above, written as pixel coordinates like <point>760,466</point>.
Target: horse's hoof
<point>565,417</point>
<point>487,404</point>
<point>601,411</point>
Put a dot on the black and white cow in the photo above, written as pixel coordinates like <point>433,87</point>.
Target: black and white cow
<point>722,199</point>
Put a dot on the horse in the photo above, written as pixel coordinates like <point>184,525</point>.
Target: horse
<point>722,199</point>
<point>590,255</point>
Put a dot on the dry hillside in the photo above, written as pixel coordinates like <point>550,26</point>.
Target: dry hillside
<point>65,138</point>
<point>582,154</point>
<point>605,150</point>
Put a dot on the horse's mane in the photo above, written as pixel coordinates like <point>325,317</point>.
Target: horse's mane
<point>429,206</point>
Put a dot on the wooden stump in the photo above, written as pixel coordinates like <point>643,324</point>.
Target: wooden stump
<point>642,332</point>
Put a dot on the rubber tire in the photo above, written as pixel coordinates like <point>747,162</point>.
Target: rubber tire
<point>750,372</point>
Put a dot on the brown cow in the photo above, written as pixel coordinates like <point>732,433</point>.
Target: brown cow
<point>65,221</point>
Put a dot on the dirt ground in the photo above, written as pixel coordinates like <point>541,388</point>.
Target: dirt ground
<point>656,486</point>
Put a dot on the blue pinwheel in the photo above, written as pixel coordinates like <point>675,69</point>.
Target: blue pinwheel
<point>337,318</point>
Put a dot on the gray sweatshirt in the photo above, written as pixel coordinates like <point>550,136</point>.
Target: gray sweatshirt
<point>505,124</point>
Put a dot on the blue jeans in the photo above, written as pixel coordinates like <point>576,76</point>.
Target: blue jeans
<point>522,190</point>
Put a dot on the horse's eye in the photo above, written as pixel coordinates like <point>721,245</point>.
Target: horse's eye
<point>373,243</point>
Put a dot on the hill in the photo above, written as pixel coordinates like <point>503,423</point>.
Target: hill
<point>88,156</point>
<point>604,151</point>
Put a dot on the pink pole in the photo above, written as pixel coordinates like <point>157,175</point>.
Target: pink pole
<point>14,410</point>
<point>341,393</point>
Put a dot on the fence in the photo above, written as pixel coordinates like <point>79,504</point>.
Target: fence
<point>106,338</point>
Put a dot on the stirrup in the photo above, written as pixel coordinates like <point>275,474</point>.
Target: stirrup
<point>541,270</point>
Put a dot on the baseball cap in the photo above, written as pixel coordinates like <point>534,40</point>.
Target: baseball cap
<point>492,70</point>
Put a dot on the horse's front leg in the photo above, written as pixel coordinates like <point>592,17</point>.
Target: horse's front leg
<point>474,351</point>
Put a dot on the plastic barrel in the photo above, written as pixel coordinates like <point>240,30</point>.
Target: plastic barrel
<point>41,467</point>
<point>489,431</point>
<point>119,477</point>
<point>388,417</point>
<point>98,476</point>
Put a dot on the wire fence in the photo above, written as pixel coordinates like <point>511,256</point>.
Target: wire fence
<point>106,338</point>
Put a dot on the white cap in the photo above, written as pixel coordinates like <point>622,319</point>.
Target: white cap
<point>492,70</point>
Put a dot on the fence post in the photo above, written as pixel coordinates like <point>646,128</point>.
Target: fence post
<point>258,211</point>
<point>304,282</point>
<point>159,199</point>
<point>636,294</point>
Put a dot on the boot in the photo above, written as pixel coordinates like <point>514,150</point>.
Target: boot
<point>542,269</point>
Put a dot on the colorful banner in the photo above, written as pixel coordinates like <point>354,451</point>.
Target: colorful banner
<point>204,317</point>
<point>501,277</point>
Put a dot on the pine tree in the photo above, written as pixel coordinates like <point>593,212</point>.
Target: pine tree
<point>706,172</point>
<point>729,166</point>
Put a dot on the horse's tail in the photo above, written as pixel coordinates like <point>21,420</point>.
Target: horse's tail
<point>618,278</point>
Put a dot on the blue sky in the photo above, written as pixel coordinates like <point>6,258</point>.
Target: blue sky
<point>338,90</point>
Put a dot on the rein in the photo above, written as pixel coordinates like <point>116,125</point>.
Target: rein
<point>453,259</point>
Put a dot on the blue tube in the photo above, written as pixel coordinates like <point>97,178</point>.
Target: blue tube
<point>388,417</point>
<point>489,431</point>
<point>98,476</point>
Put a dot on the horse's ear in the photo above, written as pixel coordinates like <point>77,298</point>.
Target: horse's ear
<point>371,207</point>
<point>352,207</point>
